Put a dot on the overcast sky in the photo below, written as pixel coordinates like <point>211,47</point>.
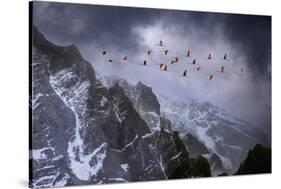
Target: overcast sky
<point>131,31</point>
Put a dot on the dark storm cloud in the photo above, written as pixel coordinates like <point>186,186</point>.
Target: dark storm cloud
<point>253,33</point>
<point>83,24</point>
<point>132,30</point>
<point>109,25</point>
<point>250,32</point>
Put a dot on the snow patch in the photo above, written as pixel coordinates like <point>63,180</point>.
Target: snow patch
<point>39,154</point>
<point>62,182</point>
<point>201,131</point>
<point>125,166</point>
<point>126,146</point>
<point>45,181</point>
<point>103,101</point>
<point>82,165</point>
<point>117,179</point>
<point>161,163</point>
<point>116,110</point>
<point>226,162</point>
<point>147,135</point>
<point>176,156</point>
<point>129,144</point>
<point>235,147</point>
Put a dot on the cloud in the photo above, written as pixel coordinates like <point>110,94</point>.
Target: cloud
<point>236,93</point>
<point>131,31</point>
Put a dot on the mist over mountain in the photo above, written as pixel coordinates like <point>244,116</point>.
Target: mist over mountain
<point>205,129</point>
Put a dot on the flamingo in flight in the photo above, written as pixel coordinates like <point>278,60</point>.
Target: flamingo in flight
<point>164,67</point>
<point>221,70</point>
<point>188,53</point>
<point>193,61</point>
<point>125,58</point>
<point>103,51</point>
<point>184,73</point>
<point>225,56</point>
<point>166,51</point>
<point>149,51</point>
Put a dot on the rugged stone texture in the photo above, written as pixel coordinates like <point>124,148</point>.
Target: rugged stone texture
<point>195,147</point>
<point>144,101</point>
<point>257,161</point>
<point>84,133</point>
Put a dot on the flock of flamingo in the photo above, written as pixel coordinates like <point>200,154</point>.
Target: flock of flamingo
<point>176,59</point>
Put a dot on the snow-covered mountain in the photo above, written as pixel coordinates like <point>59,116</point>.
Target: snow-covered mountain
<point>224,135</point>
<point>85,133</point>
<point>205,129</point>
<point>142,97</point>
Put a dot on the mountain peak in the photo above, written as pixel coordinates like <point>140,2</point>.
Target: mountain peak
<point>140,84</point>
<point>62,57</point>
<point>258,160</point>
<point>42,44</point>
<point>116,86</point>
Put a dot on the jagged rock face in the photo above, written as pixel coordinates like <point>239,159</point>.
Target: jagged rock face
<point>77,113</point>
<point>205,129</point>
<point>52,127</point>
<point>190,119</point>
<point>144,100</point>
<point>195,147</point>
<point>216,164</point>
<point>257,161</point>
<point>165,123</point>
<point>200,167</point>
<point>171,153</point>
<point>147,101</point>
<point>131,123</point>
<point>84,133</point>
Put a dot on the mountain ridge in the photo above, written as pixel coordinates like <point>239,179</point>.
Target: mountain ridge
<point>212,126</point>
<point>84,133</point>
